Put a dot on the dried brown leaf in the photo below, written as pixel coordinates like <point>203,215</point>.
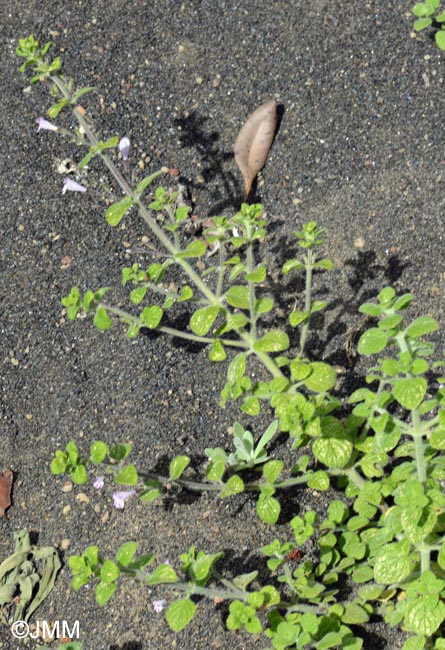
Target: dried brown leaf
<point>6,478</point>
<point>254,141</point>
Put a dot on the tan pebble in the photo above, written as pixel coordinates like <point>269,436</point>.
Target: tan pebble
<point>200,178</point>
<point>141,164</point>
<point>82,497</point>
<point>97,508</point>
<point>174,171</point>
<point>105,517</point>
<point>64,544</point>
<point>67,486</point>
<point>28,416</point>
<point>359,242</point>
<point>15,362</point>
<point>165,170</point>
<point>66,510</point>
<point>216,82</point>
<point>199,80</point>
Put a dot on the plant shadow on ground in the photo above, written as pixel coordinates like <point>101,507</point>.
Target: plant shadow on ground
<point>195,135</point>
<point>131,645</point>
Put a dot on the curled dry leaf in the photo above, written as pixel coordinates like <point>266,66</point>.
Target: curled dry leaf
<point>254,141</point>
<point>6,478</point>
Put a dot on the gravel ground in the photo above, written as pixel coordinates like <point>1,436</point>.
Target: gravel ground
<point>360,150</point>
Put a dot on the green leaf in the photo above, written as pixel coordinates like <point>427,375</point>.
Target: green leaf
<point>258,275</point>
<point>319,481</point>
<point>268,508</point>
<point>115,212</point>
<point>322,377</point>
<point>272,470</point>
<point>298,317</point>
<point>238,296</point>
<point>324,264</point>
<point>264,305</point>
<point>119,452</point>
<point>392,563</point>
<point>162,574</point>
<point>126,552</point>
<point>101,319</point>
<point>251,406</point>
<point>203,319</point>
<point>180,613</point>
<point>372,341</point>
<point>273,341</point>
<point>234,485</point>
<point>332,452</point>
<point>177,466</point>
<point>151,316</point>
<point>137,295</point>
<point>421,326</point>
<point>56,108</point>
<point>410,392</point>
<point>194,249</point>
<point>109,571</point>
<point>424,615</point>
<point>292,265</point>
<point>217,352</point>
<point>127,476</point>
<point>83,91</point>
<point>104,591</point>
<point>79,476</point>
<point>98,451</point>
<point>440,39</point>
<point>354,614</point>
<point>143,184</point>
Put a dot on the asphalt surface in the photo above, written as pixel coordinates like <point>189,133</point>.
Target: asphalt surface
<point>359,150</point>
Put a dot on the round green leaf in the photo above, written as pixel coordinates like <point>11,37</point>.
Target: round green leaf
<point>177,466</point>
<point>98,451</point>
<point>392,564</point>
<point>410,392</point>
<point>238,296</point>
<point>268,508</point>
<point>203,319</point>
<point>109,572</point>
<point>332,452</point>
<point>425,615</point>
<point>180,613</point>
<point>372,341</point>
<point>126,552</point>
<point>422,325</point>
<point>162,574</point>
<point>440,39</point>
<point>127,476</point>
<point>101,319</point>
<point>104,591</point>
<point>273,341</point>
<point>151,316</point>
<point>322,377</point>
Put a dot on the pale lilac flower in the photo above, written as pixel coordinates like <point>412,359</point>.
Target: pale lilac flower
<point>44,125</point>
<point>119,498</point>
<point>98,482</point>
<point>158,605</point>
<point>72,186</point>
<point>124,147</point>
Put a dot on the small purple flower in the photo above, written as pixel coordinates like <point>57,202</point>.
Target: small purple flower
<point>98,482</point>
<point>124,147</point>
<point>158,605</point>
<point>119,498</point>
<point>72,186</point>
<point>44,125</point>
